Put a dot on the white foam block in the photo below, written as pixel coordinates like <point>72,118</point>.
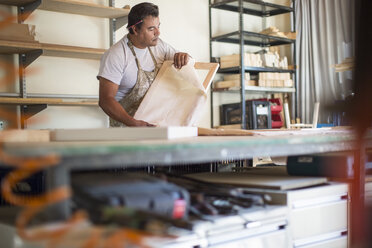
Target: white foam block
<point>127,133</point>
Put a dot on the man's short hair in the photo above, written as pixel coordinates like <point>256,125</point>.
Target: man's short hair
<point>140,12</point>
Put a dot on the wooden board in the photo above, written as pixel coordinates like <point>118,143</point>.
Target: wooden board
<point>233,83</point>
<point>16,2</point>
<point>128,133</point>
<point>246,179</point>
<point>24,136</point>
<point>18,32</point>
<point>223,132</point>
<point>72,51</point>
<point>83,8</point>
<point>14,47</point>
<point>51,101</point>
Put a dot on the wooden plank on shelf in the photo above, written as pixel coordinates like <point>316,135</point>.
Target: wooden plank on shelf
<point>14,47</point>
<point>347,64</point>
<point>16,2</point>
<point>18,32</point>
<point>72,51</point>
<point>83,8</point>
<point>50,101</point>
<point>233,83</point>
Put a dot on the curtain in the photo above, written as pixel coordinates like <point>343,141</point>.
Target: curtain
<point>325,37</point>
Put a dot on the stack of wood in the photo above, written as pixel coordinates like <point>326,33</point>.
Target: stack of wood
<point>274,79</point>
<point>274,31</point>
<point>273,60</point>
<point>269,59</point>
<point>18,32</point>
<point>233,81</point>
<point>346,65</point>
<point>291,35</point>
<point>250,59</point>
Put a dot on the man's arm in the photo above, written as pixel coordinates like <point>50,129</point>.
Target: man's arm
<point>107,92</point>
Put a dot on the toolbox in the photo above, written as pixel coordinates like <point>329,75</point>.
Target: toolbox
<point>131,190</point>
<point>258,114</point>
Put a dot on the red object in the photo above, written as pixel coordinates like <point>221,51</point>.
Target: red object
<point>179,208</point>
<point>276,107</point>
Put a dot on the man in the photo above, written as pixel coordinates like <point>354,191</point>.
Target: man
<point>129,67</point>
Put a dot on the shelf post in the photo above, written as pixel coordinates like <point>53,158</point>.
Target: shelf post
<point>295,96</point>
<point>242,67</point>
<point>112,25</point>
<point>210,58</point>
<point>358,209</point>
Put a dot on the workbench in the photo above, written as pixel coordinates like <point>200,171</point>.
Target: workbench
<point>185,151</point>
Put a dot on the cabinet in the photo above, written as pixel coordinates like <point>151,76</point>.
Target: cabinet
<point>28,52</point>
<point>244,38</point>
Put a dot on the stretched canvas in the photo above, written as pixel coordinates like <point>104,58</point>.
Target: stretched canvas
<point>177,96</point>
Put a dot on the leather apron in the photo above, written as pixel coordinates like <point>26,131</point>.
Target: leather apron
<point>133,99</point>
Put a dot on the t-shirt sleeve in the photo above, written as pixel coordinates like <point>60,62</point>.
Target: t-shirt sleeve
<point>169,51</point>
<point>112,65</point>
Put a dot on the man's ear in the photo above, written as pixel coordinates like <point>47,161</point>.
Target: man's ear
<point>135,30</point>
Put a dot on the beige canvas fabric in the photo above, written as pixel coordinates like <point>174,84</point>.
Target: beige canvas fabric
<point>175,98</point>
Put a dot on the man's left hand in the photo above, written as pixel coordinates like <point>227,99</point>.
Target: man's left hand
<point>180,59</point>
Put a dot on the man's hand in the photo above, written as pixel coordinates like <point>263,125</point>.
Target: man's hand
<point>140,123</point>
<point>180,59</point>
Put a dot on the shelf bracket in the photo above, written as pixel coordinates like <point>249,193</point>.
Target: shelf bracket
<point>27,111</point>
<point>31,110</point>
<point>120,22</point>
<point>32,56</point>
<point>26,10</point>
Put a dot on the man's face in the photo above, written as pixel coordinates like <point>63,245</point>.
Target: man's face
<point>149,33</point>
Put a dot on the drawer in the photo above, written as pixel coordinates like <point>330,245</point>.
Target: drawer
<point>340,242</point>
<point>270,240</point>
<point>318,219</point>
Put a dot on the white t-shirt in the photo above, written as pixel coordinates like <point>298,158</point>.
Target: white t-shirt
<point>119,65</point>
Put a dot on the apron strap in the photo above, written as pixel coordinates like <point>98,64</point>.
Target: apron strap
<point>130,44</point>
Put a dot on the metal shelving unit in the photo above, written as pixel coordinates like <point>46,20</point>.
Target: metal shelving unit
<point>257,89</point>
<point>253,7</point>
<point>236,69</point>
<point>30,51</point>
<point>253,39</point>
<point>244,38</point>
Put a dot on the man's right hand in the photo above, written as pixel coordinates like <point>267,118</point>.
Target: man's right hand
<point>140,123</point>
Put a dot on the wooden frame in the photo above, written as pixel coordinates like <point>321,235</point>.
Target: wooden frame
<point>184,101</point>
<point>212,67</point>
<point>301,125</point>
